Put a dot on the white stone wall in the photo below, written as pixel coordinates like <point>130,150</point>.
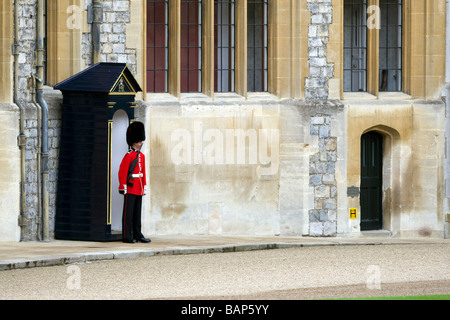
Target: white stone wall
<point>9,174</point>
<point>201,181</point>
<point>295,193</point>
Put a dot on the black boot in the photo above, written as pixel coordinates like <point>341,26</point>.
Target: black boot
<point>143,240</point>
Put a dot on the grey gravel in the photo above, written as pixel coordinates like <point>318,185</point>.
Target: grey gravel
<point>294,273</point>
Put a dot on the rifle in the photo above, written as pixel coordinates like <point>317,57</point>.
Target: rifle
<point>131,169</point>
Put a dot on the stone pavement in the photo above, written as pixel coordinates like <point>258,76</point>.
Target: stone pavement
<point>18,255</point>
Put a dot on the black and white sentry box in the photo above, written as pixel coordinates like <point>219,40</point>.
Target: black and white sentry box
<point>98,106</point>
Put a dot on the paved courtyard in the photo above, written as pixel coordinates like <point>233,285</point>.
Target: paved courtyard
<point>309,272</point>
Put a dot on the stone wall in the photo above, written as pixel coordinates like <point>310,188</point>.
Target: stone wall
<point>9,174</point>
<point>318,138</point>
<point>214,168</point>
<point>116,15</point>
<point>298,196</point>
<point>322,170</point>
<point>31,219</point>
<point>113,36</point>
<point>27,54</point>
<point>320,70</point>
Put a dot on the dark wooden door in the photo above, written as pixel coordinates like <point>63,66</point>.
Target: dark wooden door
<point>371,181</point>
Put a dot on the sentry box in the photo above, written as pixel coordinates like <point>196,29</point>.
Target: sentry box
<point>98,106</point>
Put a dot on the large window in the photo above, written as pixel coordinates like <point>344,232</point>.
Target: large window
<point>257,45</point>
<point>391,45</point>
<point>365,67</point>
<point>191,45</point>
<point>207,46</point>
<point>355,45</point>
<point>224,48</point>
<point>157,45</point>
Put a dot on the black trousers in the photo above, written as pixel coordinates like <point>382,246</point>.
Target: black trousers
<point>131,217</point>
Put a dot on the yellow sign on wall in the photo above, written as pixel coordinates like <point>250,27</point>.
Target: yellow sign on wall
<point>353,214</point>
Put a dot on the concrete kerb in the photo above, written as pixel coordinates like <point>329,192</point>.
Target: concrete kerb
<point>42,262</point>
<point>75,258</point>
<point>80,258</point>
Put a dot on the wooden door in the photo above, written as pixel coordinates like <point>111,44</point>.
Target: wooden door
<point>371,181</point>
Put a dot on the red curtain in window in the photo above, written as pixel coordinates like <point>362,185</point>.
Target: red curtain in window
<point>157,45</point>
<point>191,47</point>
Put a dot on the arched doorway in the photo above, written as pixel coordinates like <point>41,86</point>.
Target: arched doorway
<point>119,148</point>
<point>371,181</point>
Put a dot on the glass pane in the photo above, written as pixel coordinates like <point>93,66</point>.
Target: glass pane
<point>224,27</point>
<point>157,45</point>
<point>355,45</point>
<point>257,45</point>
<point>390,59</point>
<point>191,45</point>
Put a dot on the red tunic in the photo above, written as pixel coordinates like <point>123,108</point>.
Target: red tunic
<point>139,180</point>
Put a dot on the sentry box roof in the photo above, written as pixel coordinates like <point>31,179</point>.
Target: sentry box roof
<point>103,77</point>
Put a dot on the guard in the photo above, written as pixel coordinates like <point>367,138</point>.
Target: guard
<point>133,184</point>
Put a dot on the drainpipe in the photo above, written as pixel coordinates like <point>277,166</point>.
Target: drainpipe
<point>38,169</point>
<point>97,16</point>
<point>44,107</point>
<point>446,95</point>
<point>21,137</point>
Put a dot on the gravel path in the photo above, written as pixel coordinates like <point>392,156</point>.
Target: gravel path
<point>300,273</point>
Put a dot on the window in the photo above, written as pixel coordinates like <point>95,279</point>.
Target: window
<point>355,45</point>
<point>205,46</point>
<point>191,45</point>
<point>257,45</point>
<point>391,45</point>
<point>157,45</point>
<point>224,48</point>
<point>366,68</point>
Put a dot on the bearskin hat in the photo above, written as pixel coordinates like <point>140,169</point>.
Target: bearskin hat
<point>135,133</point>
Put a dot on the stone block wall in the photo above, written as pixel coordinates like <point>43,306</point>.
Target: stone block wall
<point>322,171</point>
<point>320,70</point>
<point>113,36</point>
<point>31,217</point>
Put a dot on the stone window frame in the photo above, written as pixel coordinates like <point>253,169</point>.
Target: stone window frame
<point>6,56</point>
<point>224,25</point>
<point>191,46</point>
<point>287,54</point>
<point>65,28</point>
<point>157,73</point>
<point>373,54</point>
<point>207,89</point>
<point>422,36</point>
